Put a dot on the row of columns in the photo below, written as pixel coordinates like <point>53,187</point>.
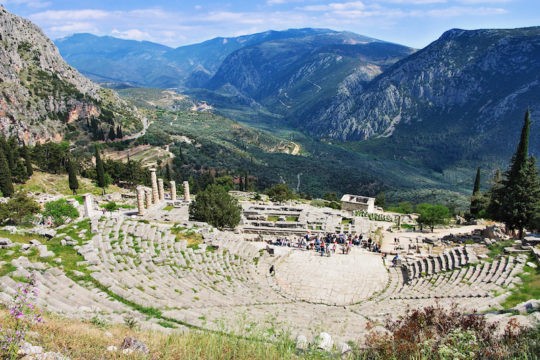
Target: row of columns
<point>147,197</point>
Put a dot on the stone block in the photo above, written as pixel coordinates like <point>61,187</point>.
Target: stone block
<point>325,342</point>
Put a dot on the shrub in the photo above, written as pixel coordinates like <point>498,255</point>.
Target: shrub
<point>436,332</point>
<point>22,314</point>
<point>18,210</point>
<point>60,211</point>
<point>111,206</point>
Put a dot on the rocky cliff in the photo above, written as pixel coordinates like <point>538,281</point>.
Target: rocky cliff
<point>41,97</point>
<point>470,85</point>
<point>293,77</point>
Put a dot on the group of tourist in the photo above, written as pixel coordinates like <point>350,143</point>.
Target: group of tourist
<point>328,244</point>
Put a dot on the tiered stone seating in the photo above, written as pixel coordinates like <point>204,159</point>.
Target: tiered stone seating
<point>147,265</point>
<point>447,261</point>
<point>59,294</point>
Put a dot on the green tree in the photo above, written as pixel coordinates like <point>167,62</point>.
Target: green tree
<point>403,207</point>
<point>225,182</point>
<point>100,171</point>
<point>517,198</point>
<point>380,199</point>
<point>6,185</point>
<point>478,205</point>
<point>216,207</point>
<point>280,193</point>
<point>60,211</point>
<point>112,133</point>
<point>168,173</point>
<point>18,210</point>
<point>432,215</point>
<point>494,204</point>
<point>51,157</point>
<point>72,176</point>
<point>27,161</point>
<point>330,196</point>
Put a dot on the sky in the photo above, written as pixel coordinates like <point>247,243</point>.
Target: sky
<point>415,23</point>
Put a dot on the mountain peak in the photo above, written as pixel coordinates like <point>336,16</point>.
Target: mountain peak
<point>43,95</point>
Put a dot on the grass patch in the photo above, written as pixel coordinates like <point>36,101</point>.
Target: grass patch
<point>346,221</point>
<point>166,324</point>
<point>188,234</point>
<point>6,269</point>
<point>292,218</point>
<point>22,238</point>
<point>272,218</point>
<point>497,248</point>
<point>41,182</point>
<point>79,340</point>
<point>528,289</point>
<point>168,208</point>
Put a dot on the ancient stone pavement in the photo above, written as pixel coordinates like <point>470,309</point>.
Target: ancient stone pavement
<point>340,279</point>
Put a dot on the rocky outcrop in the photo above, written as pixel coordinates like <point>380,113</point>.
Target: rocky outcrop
<point>40,95</point>
<point>475,83</point>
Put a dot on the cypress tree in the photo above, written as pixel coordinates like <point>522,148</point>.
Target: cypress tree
<point>168,173</point>
<point>494,195</point>
<point>476,188</point>
<point>477,197</point>
<point>72,177</point>
<point>6,186</point>
<point>101,134</point>
<point>10,156</point>
<point>519,194</point>
<point>27,161</point>
<point>112,134</point>
<point>119,133</point>
<point>100,171</point>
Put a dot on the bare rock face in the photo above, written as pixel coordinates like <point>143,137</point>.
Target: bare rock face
<point>465,83</point>
<point>40,95</point>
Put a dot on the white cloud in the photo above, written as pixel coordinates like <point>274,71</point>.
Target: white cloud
<point>414,2</point>
<point>70,15</point>
<point>34,4</point>
<point>75,27</point>
<point>460,11</point>
<point>279,2</point>
<point>351,6</point>
<point>476,2</point>
<point>132,34</point>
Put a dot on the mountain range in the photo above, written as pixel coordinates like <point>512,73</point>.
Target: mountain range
<point>43,98</point>
<point>459,99</point>
<point>387,115</point>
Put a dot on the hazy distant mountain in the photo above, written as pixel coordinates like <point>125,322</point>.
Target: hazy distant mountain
<point>42,97</point>
<point>294,77</point>
<point>143,63</point>
<point>461,97</point>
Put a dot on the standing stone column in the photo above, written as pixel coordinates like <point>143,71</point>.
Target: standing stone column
<point>173,190</point>
<point>149,198</point>
<point>161,191</point>
<point>140,200</point>
<point>186,191</point>
<point>88,206</point>
<point>155,194</point>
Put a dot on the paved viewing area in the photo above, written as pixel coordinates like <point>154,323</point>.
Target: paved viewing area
<point>341,279</point>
